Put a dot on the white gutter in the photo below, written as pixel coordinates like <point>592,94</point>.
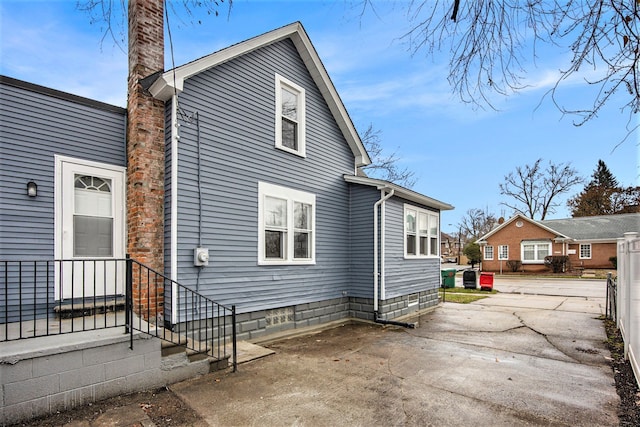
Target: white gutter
<point>173,209</point>
<point>383,198</point>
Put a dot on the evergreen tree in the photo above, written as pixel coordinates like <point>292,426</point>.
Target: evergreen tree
<point>602,177</point>
<point>604,196</point>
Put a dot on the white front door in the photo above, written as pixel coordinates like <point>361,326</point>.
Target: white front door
<point>90,228</point>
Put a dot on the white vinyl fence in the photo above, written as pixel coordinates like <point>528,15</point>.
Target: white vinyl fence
<point>628,298</point>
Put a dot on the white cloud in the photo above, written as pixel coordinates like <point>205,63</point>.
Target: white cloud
<point>60,54</point>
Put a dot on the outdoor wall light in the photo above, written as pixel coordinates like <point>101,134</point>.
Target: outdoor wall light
<point>32,189</point>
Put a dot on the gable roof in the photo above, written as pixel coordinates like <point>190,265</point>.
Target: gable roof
<point>588,228</point>
<point>399,191</point>
<point>54,93</point>
<point>605,227</point>
<point>172,81</point>
<point>521,217</point>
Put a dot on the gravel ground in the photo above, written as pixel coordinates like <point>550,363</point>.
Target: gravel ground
<point>163,407</point>
<point>626,384</point>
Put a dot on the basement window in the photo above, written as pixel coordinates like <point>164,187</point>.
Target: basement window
<point>414,299</point>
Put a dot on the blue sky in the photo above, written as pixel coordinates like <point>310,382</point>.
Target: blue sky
<point>459,155</point>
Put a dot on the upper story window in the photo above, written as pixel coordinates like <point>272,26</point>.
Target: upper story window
<point>503,252</point>
<point>421,232</point>
<point>585,251</point>
<point>533,252</point>
<point>488,252</point>
<point>286,225</point>
<point>290,116</point>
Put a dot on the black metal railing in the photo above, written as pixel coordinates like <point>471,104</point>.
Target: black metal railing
<point>51,297</point>
<point>34,302</point>
<point>162,307</point>
<point>612,297</point>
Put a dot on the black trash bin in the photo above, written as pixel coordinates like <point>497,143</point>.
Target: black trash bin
<point>469,279</point>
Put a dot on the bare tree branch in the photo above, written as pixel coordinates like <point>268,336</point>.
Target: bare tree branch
<point>111,15</point>
<point>476,223</point>
<point>384,166</point>
<point>535,191</point>
<point>491,41</point>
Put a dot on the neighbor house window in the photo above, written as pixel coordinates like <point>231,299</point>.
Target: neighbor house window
<point>503,252</point>
<point>290,116</point>
<point>533,252</point>
<point>421,229</point>
<point>585,251</point>
<point>488,252</point>
<point>286,225</point>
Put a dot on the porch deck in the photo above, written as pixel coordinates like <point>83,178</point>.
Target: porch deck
<point>34,328</point>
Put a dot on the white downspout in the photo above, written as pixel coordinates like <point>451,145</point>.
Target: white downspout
<point>383,246</point>
<point>173,209</point>
<point>383,198</point>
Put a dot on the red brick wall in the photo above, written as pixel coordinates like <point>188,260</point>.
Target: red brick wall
<point>600,254</point>
<point>512,236</point>
<point>145,146</point>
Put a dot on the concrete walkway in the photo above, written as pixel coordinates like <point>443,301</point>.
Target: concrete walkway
<point>518,358</point>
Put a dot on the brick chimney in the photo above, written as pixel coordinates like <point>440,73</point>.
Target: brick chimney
<point>145,150</point>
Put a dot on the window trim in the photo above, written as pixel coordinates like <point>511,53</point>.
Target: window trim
<point>536,243</point>
<point>485,255</point>
<point>283,83</point>
<point>430,214</point>
<point>291,196</point>
<point>580,250</point>
<point>500,252</point>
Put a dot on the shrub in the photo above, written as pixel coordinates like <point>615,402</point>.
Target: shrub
<point>614,261</point>
<point>514,265</point>
<point>473,253</point>
<point>557,263</point>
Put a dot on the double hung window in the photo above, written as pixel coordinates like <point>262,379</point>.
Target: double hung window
<point>533,252</point>
<point>421,232</point>
<point>503,252</point>
<point>488,252</point>
<point>585,251</point>
<point>290,116</point>
<point>286,225</point>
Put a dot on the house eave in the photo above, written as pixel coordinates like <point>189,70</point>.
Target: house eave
<point>399,191</point>
<point>603,240</point>
<point>172,81</point>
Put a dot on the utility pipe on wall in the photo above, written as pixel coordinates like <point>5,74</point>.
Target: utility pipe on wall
<point>384,197</point>
<point>376,272</point>
<point>173,209</point>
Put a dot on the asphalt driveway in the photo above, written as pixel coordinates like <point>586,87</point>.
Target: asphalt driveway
<point>517,358</point>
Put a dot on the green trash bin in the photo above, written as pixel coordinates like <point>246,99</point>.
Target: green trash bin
<point>449,278</point>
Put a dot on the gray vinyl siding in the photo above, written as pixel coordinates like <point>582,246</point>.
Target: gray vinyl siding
<point>405,276</point>
<point>363,200</point>
<point>236,102</point>
<point>36,125</point>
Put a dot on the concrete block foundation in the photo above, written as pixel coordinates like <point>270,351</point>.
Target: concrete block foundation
<point>43,375</point>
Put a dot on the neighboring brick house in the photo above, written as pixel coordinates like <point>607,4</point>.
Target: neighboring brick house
<point>588,241</point>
